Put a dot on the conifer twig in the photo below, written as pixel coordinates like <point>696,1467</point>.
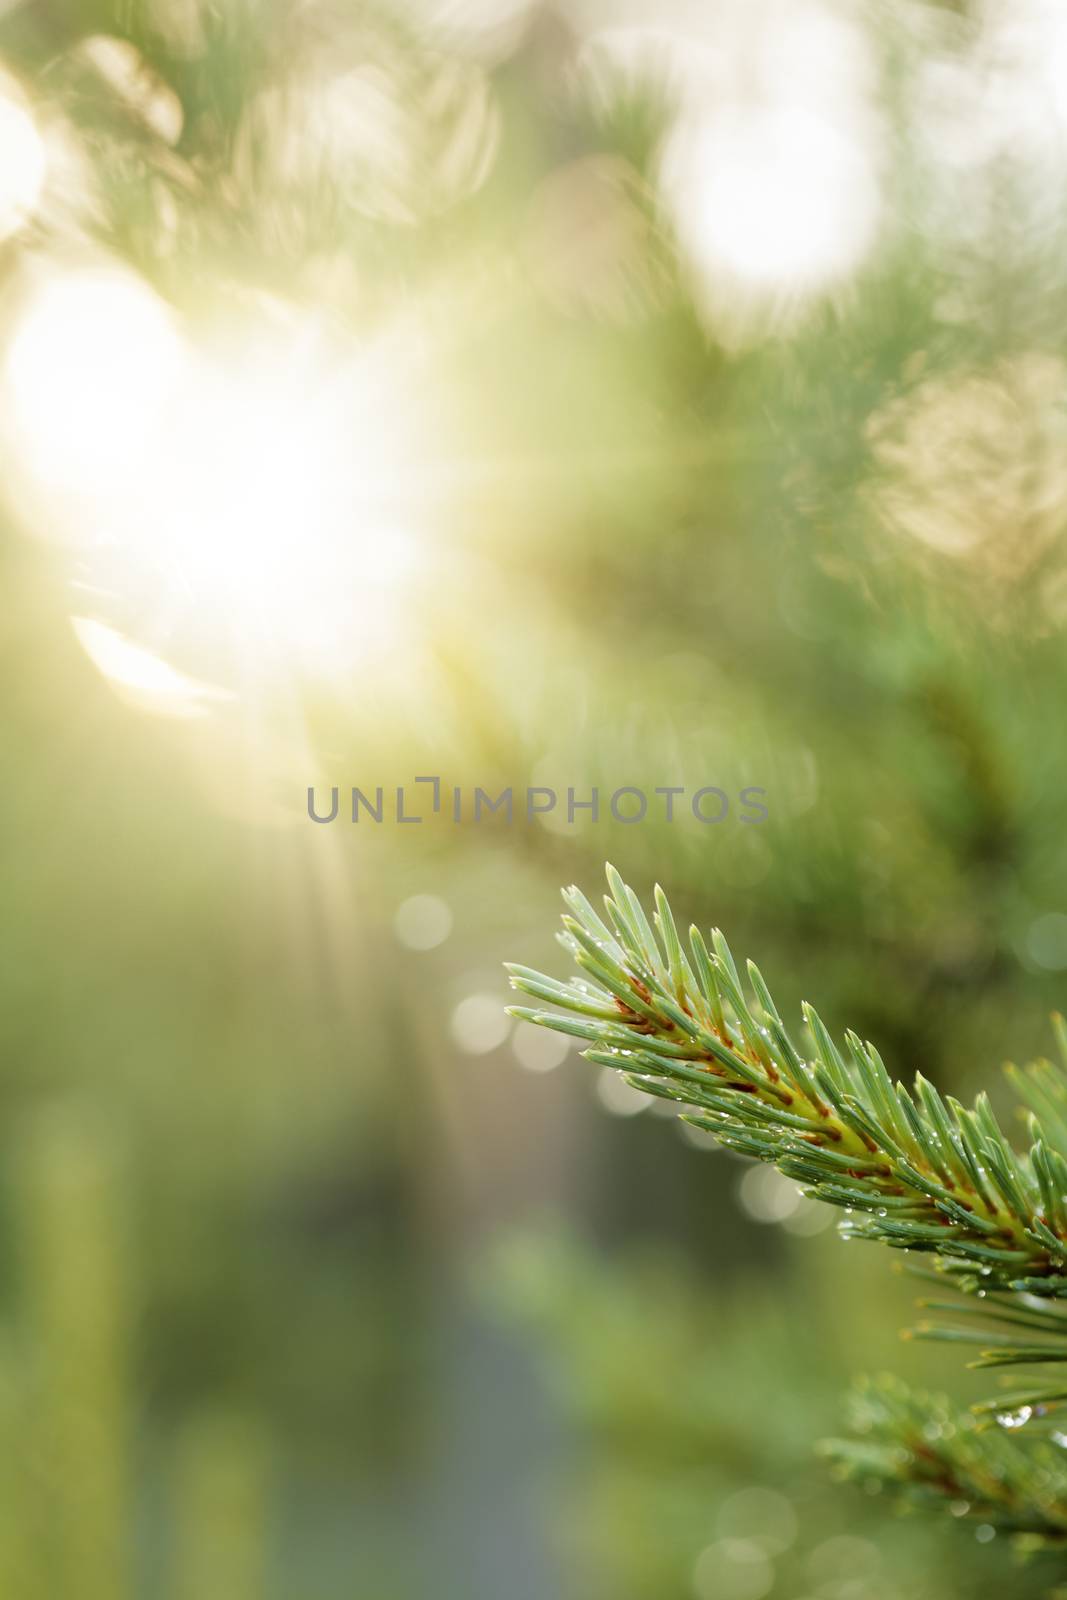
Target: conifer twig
<point>937,1459</point>
<point>910,1168</point>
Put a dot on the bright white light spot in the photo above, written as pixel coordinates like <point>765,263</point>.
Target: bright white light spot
<point>144,679</point>
<point>91,364</point>
<point>1055,60</point>
<point>540,1050</point>
<point>480,1024</point>
<point>767,1196</point>
<point>1046,941</point>
<point>22,164</point>
<point>423,922</point>
<point>279,523</point>
<point>618,1096</point>
<point>1024,48</point>
<point>1000,97</point>
<point>809,52</point>
<point>777,198</point>
<point>252,497</point>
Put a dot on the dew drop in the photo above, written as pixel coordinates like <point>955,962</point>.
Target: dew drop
<point>1015,1419</point>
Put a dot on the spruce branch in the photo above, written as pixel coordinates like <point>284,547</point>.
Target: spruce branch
<point>910,1168</point>
<point>914,1443</point>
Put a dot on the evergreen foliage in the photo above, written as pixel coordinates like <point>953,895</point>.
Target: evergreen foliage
<point>909,1168</point>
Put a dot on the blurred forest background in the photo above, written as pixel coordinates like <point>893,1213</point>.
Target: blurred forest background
<point>592,394</point>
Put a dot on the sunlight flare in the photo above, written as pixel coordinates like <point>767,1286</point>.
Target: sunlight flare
<point>249,501</point>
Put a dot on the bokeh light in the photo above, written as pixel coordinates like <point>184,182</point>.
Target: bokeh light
<point>141,678</point>
<point>621,1098</point>
<point>23,162</point>
<point>91,364</point>
<point>775,199</point>
<point>479,1024</point>
<point>775,184</point>
<point>767,1196</point>
<point>277,536</point>
<point>538,1050</point>
<point>423,921</point>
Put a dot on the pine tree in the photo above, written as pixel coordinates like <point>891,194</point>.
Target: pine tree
<point>910,1168</point>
